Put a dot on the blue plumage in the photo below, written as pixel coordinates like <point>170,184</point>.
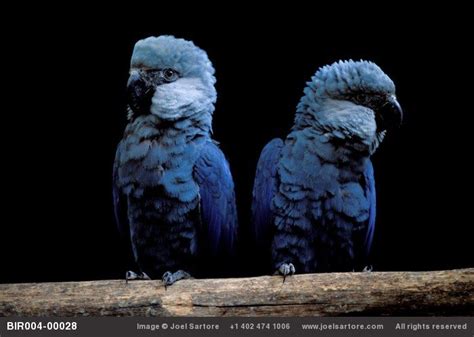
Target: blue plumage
<point>216,189</point>
<point>266,186</point>
<point>371,197</point>
<point>173,190</point>
<point>314,192</point>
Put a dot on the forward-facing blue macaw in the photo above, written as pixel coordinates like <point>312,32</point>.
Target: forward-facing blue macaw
<point>173,190</point>
<point>314,192</point>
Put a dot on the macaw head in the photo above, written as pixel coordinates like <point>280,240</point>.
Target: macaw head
<point>356,98</point>
<point>170,78</point>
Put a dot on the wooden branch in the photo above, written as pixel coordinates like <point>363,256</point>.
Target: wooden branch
<point>367,294</point>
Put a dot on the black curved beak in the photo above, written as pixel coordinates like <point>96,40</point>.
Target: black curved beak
<point>139,93</point>
<point>390,116</point>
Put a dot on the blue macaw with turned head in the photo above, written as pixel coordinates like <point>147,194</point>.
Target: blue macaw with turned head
<point>314,191</point>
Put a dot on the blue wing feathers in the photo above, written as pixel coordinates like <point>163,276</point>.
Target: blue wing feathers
<point>120,208</point>
<point>371,196</point>
<point>218,209</point>
<point>265,188</point>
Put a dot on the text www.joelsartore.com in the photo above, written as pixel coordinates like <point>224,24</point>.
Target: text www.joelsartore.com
<point>335,326</point>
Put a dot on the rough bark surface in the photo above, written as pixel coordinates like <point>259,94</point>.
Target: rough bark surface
<point>350,294</point>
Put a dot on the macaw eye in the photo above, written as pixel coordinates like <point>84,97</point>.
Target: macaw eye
<point>170,75</point>
<point>360,98</point>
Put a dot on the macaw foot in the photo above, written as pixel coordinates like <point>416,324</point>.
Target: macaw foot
<point>367,269</point>
<point>286,269</point>
<point>169,278</point>
<point>131,276</point>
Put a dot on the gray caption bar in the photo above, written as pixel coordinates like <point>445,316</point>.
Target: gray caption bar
<point>228,326</point>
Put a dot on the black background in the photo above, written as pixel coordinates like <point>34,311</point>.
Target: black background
<point>66,97</point>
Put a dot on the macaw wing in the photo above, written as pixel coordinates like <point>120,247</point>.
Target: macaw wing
<point>371,197</point>
<point>264,189</point>
<point>120,204</point>
<point>218,209</point>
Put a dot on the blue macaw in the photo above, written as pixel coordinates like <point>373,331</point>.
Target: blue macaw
<point>314,192</point>
<point>173,191</point>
